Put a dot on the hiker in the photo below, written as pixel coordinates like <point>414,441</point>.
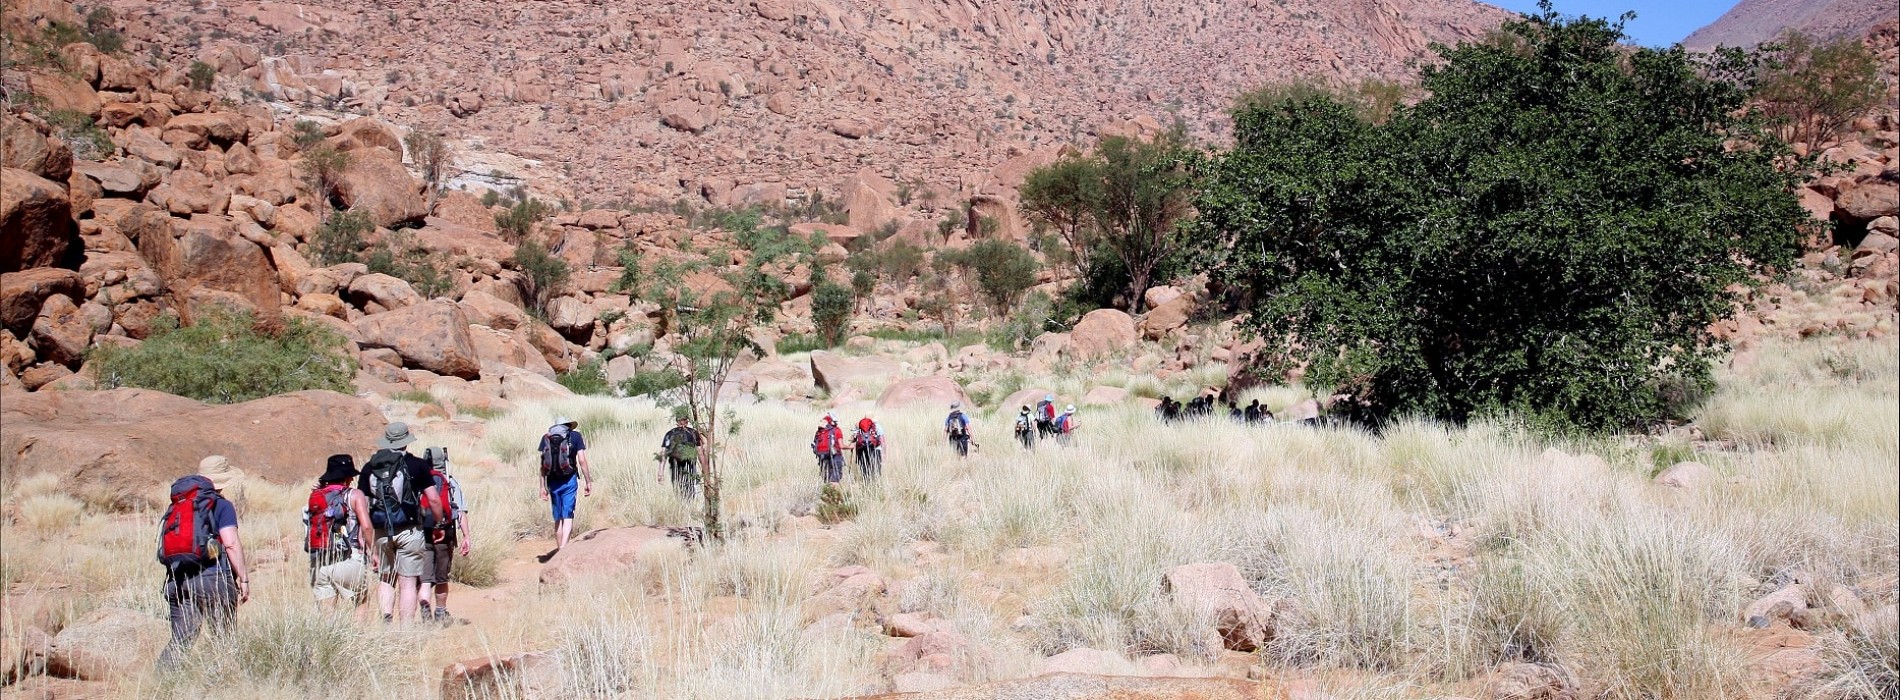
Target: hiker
<point>564,471</point>
<point>828,445</point>
<point>957,427</point>
<point>867,442</point>
<point>1026,428</point>
<point>1234,413</point>
<point>679,452</point>
<point>1046,415</point>
<point>445,522</point>
<point>1252,412</point>
<point>204,560</point>
<point>1065,424</point>
<point>339,577</point>
<point>392,485</point>
<point>1170,409</point>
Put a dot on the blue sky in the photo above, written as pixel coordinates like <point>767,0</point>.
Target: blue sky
<point>1657,23</point>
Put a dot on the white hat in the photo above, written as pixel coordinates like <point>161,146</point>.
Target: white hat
<point>1070,409</point>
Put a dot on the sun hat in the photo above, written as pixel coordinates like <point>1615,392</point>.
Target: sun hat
<point>954,405</point>
<point>1070,409</point>
<point>340,469</point>
<point>1048,397</point>
<point>220,471</point>
<point>438,457</point>
<point>396,436</point>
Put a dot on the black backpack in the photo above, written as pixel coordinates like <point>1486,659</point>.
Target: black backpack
<point>392,498</point>
<point>557,456</point>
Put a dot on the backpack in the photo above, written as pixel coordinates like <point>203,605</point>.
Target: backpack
<point>1046,412</point>
<point>958,424</point>
<point>826,441</point>
<point>329,526</point>
<point>444,501</point>
<point>187,535</point>
<point>392,499</point>
<point>557,456</point>
<point>684,445</point>
<point>867,434</point>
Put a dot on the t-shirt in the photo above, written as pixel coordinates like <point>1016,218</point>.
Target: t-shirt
<point>420,476</point>
<point>957,422</point>
<point>575,443</point>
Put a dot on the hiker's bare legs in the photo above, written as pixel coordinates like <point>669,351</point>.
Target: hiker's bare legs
<point>441,596</point>
<point>407,588</point>
<point>561,529</point>
<point>385,596</point>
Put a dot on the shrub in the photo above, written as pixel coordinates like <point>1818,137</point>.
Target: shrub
<point>834,506</point>
<point>306,133</point>
<point>1525,240</point>
<point>228,358</point>
<point>433,155</point>
<point>649,383</point>
<point>1814,90</point>
<point>201,75</point>
<point>799,342</point>
<point>831,305</point>
<point>323,168</point>
<point>1030,319</point>
<point>340,239</point>
<point>588,378</point>
<point>399,256</point>
<point>519,220</point>
<point>82,135</point>
<point>100,31</point>
<point>541,274</point>
<point>1118,205</point>
<point>629,281</point>
<point>1003,270</point>
<point>952,220</point>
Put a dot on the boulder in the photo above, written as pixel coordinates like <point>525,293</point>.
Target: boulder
<point>61,92</point>
<point>1869,201</point>
<point>937,392</point>
<point>22,293</point>
<point>867,201</point>
<point>573,317</point>
<point>528,676</point>
<point>365,133</point>
<point>1166,318</point>
<point>36,223</point>
<point>464,209</point>
<point>1048,347</point>
<point>1243,621</point>
<point>486,309</point>
<point>688,116</point>
<point>942,651</point>
<point>1102,332</point>
<point>124,446</point>
<point>1094,662</point>
<point>187,192</point>
<point>1156,296</point>
<point>432,335</point>
<point>1686,475</point>
<point>1029,396</point>
<point>911,624</point>
<point>1105,396</point>
<point>107,644</point>
<point>222,128</point>
<point>23,147</point>
<point>388,292</point>
<point>852,127</point>
<point>61,333</point>
<point>208,252</point>
<point>1787,605</point>
<point>508,349</point>
<point>1076,686</point>
<point>118,178</point>
<point>606,551</point>
<point>376,182</point>
<point>1524,681</point>
<point>832,372</point>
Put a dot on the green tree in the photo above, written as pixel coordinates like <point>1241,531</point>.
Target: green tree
<point>1002,270</point>
<point>519,220</point>
<point>230,358</point>
<point>1123,199</point>
<point>1814,90</point>
<point>542,274</point>
<point>341,239</point>
<point>433,155</point>
<point>323,168</point>
<point>1549,234</point>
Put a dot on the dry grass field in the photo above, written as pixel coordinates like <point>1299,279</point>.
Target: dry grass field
<point>1409,564</point>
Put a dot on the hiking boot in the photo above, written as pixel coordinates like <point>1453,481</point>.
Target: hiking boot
<point>388,618</point>
<point>424,610</point>
<point>442,615</point>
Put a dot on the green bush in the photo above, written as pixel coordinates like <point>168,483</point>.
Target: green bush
<point>799,342</point>
<point>228,358</point>
<point>1003,270</point>
<point>399,256</point>
<point>1549,234</point>
<point>542,274</point>
<point>1815,89</point>
<point>100,31</point>
<point>82,134</point>
<point>341,239</point>
<point>306,133</point>
<point>834,506</point>
<point>519,220</point>
<point>1030,319</point>
<point>588,378</point>
<point>647,383</point>
<point>201,75</point>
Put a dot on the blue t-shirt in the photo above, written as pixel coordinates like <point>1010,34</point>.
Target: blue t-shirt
<point>576,443</point>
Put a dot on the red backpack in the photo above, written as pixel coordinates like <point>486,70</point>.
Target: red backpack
<point>188,530</point>
<point>443,504</point>
<point>329,529</point>
<point>826,441</point>
<point>867,433</point>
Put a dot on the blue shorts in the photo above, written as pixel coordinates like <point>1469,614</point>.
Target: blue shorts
<point>561,497</point>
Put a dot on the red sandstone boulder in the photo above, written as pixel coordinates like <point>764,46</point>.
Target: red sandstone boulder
<point>432,335</point>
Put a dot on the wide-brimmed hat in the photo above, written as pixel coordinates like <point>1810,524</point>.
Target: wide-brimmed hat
<point>220,471</point>
<point>1070,409</point>
<point>563,421</point>
<point>340,469</point>
<point>396,437</point>
<point>438,457</point>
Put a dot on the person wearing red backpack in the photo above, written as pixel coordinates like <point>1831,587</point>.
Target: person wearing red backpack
<point>445,521</point>
<point>206,577</point>
<point>338,573</point>
<point>867,442</point>
<point>828,445</point>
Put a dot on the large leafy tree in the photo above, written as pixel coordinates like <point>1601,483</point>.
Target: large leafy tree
<point>1550,233</point>
<point>1116,209</point>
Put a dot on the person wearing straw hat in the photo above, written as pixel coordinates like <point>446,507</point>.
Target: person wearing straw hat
<point>392,484</point>
<point>205,590</point>
<point>564,471</point>
<point>333,536</point>
<point>1065,424</point>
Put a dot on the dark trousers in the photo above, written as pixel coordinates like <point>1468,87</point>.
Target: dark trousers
<point>197,600</point>
<point>831,467</point>
<point>685,473</point>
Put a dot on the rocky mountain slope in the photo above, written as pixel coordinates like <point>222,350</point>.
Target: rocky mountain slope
<point>649,102</point>
<point>1751,22</point>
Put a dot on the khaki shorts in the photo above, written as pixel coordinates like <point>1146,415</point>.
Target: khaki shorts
<point>403,553</point>
<point>347,579</point>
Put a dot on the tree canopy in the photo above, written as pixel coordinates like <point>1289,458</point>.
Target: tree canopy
<point>1549,233</point>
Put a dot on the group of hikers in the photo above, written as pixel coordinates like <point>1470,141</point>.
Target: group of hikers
<point>1201,406</point>
<point>399,521</point>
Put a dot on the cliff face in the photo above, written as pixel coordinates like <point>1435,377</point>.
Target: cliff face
<point>648,101</point>
<point>1751,22</point>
